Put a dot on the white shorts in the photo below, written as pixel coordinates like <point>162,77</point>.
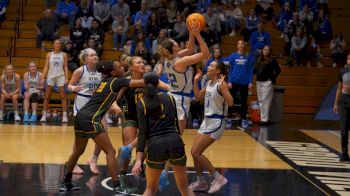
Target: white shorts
<point>58,81</point>
<point>214,127</point>
<point>183,104</point>
<point>79,102</point>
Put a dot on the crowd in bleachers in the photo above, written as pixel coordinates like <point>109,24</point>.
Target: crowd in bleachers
<point>303,25</point>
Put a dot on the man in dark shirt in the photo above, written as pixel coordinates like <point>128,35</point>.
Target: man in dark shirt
<point>47,28</point>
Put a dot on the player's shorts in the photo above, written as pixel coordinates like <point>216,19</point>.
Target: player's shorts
<point>58,81</point>
<point>129,122</point>
<point>163,148</point>
<point>84,127</point>
<point>79,101</point>
<point>213,126</point>
<point>182,105</point>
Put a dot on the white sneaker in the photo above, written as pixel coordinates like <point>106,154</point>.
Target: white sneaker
<point>217,184</point>
<point>17,118</point>
<point>64,119</point>
<point>199,187</point>
<point>43,118</point>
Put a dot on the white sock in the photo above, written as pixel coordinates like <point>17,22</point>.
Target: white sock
<point>1,113</point>
<point>200,179</point>
<point>65,114</point>
<point>34,112</point>
<point>216,174</point>
<point>44,113</point>
<point>26,112</point>
<point>16,112</point>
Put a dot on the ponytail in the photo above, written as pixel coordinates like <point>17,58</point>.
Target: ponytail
<point>152,101</point>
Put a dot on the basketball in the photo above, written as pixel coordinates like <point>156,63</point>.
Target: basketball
<point>196,17</point>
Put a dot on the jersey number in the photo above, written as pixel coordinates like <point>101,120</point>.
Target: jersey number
<point>101,87</point>
<point>92,87</point>
<point>173,81</point>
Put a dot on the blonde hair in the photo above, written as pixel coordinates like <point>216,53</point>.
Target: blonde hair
<point>5,67</point>
<point>83,54</point>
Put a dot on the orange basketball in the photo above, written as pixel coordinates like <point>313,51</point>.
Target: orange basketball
<point>196,17</point>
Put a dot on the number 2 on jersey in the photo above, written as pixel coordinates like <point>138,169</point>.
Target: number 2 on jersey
<point>172,80</point>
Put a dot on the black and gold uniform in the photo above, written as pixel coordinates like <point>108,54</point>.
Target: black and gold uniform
<point>88,120</point>
<point>161,134</point>
<point>132,97</point>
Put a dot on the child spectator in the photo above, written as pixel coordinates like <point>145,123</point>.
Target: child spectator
<point>338,47</point>
<point>251,25</point>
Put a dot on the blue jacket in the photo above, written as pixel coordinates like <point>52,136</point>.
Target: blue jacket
<point>259,40</point>
<point>201,5</point>
<point>66,8</point>
<point>252,24</point>
<point>241,68</point>
<point>325,27</point>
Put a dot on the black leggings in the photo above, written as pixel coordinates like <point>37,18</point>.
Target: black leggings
<point>344,112</point>
<point>239,93</point>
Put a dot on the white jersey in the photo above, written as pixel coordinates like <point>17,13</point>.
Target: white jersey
<point>10,85</point>
<point>180,83</point>
<point>88,83</point>
<point>33,82</point>
<point>214,102</point>
<point>56,64</point>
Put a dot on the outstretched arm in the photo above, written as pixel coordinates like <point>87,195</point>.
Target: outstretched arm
<point>198,94</point>
<point>190,48</point>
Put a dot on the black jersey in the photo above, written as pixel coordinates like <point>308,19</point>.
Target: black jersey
<point>151,127</point>
<point>103,98</point>
<point>132,97</point>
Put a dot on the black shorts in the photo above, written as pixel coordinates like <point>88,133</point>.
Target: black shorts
<point>163,148</point>
<point>84,127</point>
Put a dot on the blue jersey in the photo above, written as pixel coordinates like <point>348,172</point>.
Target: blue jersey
<point>180,83</point>
<point>241,68</point>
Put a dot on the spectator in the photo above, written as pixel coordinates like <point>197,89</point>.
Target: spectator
<point>234,16</point>
<point>86,21</point>
<point>323,5</point>
<point>216,56</point>
<point>180,31</point>
<point>312,4</point>
<point>111,2</point>
<point>143,16</point>
<point>313,54</point>
<point>324,28</point>
<point>91,43</point>
<point>338,46</point>
<point>263,7</point>
<point>97,34</point>
<point>286,14</point>
<point>259,39</point>
<point>251,25</point>
<point>153,5</point>
<point>66,10</point>
<point>47,28</point>
<point>307,17</point>
<point>209,36</point>
<point>120,8</point>
<point>290,30</point>
<point>292,3</point>
<point>85,7</point>
<point>72,56</point>
<point>202,5</point>
<point>213,22</point>
<point>49,3</point>
<point>163,17</point>
<point>161,37</point>
<point>298,44</point>
<point>267,71</point>
<point>171,13</point>
<point>141,37</point>
<point>3,6</point>
<point>102,13</point>
<point>142,52</point>
<point>127,47</point>
<point>153,26</point>
<point>240,80</point>
<point>11,85</point>
<point>120,27</point>
<point>34,91</point>
<point>78,35</point>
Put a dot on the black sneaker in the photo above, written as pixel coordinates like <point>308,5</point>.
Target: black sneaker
<point>68,186</point>
<point>344,158</point>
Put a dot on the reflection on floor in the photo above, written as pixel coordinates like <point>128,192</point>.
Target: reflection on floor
<point>43,179</point>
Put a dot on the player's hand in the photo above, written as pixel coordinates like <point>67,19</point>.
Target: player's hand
<point>229,85</point>
<point>335,108</point>
<point>116,110</point>
<point>194,28</point>
<point>76,88</point>
<point>136,170</point>
<point>198,75</point>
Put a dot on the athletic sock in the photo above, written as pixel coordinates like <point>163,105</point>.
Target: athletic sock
<point>68,177</point>
<point>33,112</point>
<point>216,174</point>
<point>200,179</point>
<point>65,114</point>
<point>26,113</point>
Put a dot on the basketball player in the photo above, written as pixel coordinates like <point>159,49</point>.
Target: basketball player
<point>84,82</point>
<point>56,72</point>
<point>34,86</point>
<point>180,74</point>
<point>216,96</point>
<point>157,129</point>
<point>342,105</point>
<point>11,85</point>
<point>88,122</point>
